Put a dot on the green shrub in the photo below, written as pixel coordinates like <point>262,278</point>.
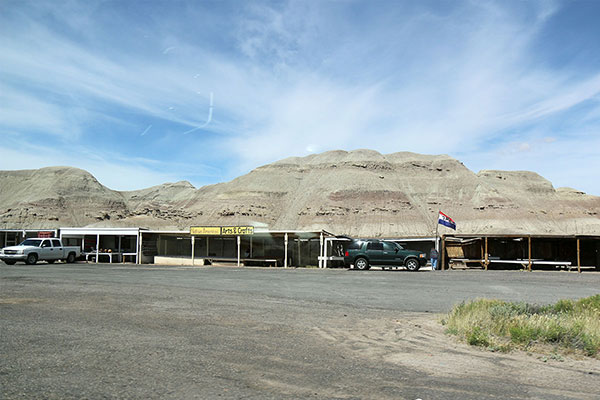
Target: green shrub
<point>589,303</point>
<point>564,306</point>
<point>523,334</point>
<point>452,331</point>
<point>478,337</point>
<point>568,324</point>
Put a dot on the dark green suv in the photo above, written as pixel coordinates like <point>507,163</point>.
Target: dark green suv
<point>364,253</point>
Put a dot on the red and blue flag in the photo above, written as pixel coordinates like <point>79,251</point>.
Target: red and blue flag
<point>445,220</point>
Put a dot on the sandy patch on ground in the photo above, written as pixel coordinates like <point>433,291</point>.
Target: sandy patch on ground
<point>417,342</point>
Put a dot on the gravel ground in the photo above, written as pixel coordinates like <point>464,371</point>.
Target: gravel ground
<point>122,331</point>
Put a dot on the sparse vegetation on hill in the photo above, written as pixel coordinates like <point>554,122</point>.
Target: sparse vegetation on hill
<point>567,326</point>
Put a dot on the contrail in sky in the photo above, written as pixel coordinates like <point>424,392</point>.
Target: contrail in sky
<point>146,130</point>
<point>210,112</point>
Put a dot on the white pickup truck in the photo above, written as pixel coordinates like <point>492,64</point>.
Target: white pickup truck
<point>33,250</point>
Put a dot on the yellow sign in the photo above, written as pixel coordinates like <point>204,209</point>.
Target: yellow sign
<point>237,230</point>
<point>205,230</point>
<point>221,230</point>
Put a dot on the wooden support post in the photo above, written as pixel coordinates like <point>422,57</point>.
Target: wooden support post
<point>207,242</point>
<point>529,242</point>
<point>138,248</point>
<point>321,251</point>
<point>285,248</point>
<point>299,262</point>
<point>325,253</point>
<point>487,259</point>
<point>120,254</point>
<point>482,262</point>
<point>443,251</point>
<point>239,242</point>
<point>578,256</point>
<point>193,249</point>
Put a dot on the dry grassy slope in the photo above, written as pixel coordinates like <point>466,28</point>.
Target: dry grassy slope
<point>359,193</point>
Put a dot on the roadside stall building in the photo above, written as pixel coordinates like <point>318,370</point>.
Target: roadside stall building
<point>521,251</point>
<point>104,244</point>
<point>242,245</point>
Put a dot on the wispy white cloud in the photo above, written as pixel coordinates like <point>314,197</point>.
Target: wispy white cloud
<point>484,85</point>
<point>571,161</point>
<point>114,175</point>
<point>20,112</point>
<point>48,62</point>
<point>117,172</point>
<point>292,78</point>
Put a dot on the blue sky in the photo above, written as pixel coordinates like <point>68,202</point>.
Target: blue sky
<point>145,92</point>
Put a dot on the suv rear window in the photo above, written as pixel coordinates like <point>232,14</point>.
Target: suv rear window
<point>355,245</point>
<point>375,246</point>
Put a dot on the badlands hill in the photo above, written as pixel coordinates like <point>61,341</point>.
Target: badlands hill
<point>359,193</point>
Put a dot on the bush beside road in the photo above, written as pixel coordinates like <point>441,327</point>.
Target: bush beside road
<point>567,326</point>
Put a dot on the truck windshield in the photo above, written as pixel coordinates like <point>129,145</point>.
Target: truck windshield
<point>31,242</point>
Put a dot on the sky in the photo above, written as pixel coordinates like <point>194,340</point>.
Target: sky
<point>141,93</point>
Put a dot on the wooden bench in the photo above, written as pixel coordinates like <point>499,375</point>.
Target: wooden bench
<point>523,262</point>
<point>125,255</point>
<point>463,263</point>
<point>97,256</point>
<point>244,261</point>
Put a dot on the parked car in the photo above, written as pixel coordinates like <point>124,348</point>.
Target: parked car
<point>31,251</point>
<point>365,253</point>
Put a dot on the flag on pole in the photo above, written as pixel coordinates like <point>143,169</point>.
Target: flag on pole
<point>446,221</point>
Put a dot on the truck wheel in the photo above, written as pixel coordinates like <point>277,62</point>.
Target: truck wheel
<point>361,263</point>
<point>412,264</point>
<point>10,262</point>
<point>71,258</point>
<point>31,259</point>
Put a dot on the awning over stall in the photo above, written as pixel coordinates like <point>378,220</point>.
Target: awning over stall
<point>118,242</point>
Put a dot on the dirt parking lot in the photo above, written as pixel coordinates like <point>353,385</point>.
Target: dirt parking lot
<point>122,331</point>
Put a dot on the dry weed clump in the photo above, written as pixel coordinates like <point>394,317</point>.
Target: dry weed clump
<point>573,326</point>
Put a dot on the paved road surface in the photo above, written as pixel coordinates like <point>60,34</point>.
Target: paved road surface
<point>122,331</point>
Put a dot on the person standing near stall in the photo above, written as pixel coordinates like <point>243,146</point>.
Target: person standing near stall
<point>433,257</point>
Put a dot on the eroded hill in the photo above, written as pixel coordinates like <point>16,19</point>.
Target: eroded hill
<point>361,193</point>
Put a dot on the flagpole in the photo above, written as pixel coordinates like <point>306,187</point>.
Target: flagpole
<point>437,225</point>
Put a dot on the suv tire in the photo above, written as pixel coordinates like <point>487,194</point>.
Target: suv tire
<point>361,263</point>
<point>412,264</point>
